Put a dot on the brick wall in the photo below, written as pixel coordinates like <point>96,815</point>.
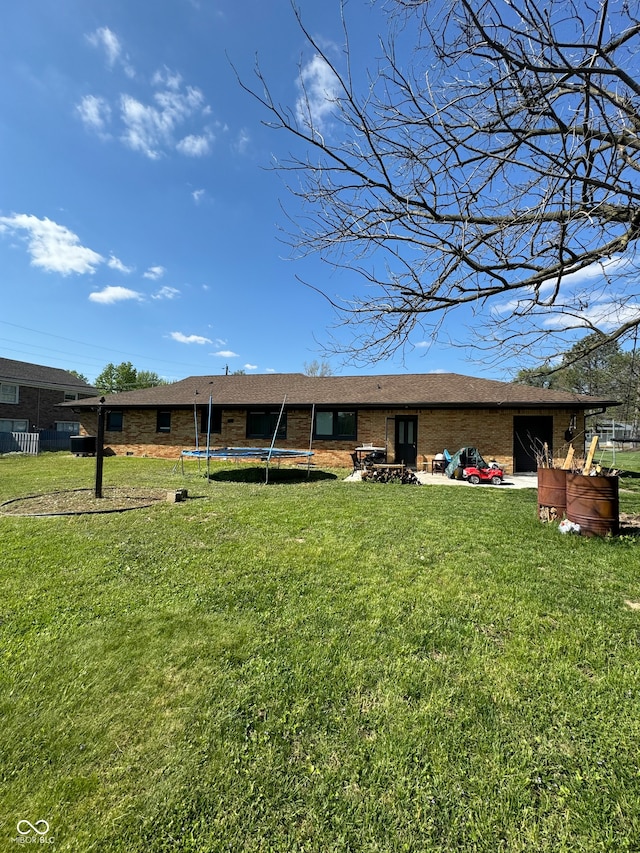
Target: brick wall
<point>490,430</point>
<point>39,406</point>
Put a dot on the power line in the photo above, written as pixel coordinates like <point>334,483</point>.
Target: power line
<point>31,348</point>
<point>93,346</point>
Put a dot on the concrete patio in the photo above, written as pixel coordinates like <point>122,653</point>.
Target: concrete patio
<point>511,481</point>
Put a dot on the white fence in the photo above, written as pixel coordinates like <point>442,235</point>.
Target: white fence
<point>20,442</point>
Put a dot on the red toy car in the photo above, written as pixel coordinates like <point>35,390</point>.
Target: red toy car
<point>468,464</point>
<point>491,474</point>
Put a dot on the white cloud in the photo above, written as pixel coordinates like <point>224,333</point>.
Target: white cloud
<point>195,146</point>
<point>154,273</point>
<point>225,353</point>
<point>318,87</point>
<point>604,315</point>
<point>602,269</point>
<point>250,366</point>
<point>176,106</point>
<point>150,128</point>
<point>110,295</point>
<point>189,339</point>
<point>145,130</point>
<point>105,39</point>
<point>52,247</point>
<point>166,293</point>
<point>197,196</point>
<point>95,113</point>
<point>602,296</point>
<point>242,142</point>
<point>571,283</point>
<point>116,264</point>
<point>168,78</point>
<point>172,117</point>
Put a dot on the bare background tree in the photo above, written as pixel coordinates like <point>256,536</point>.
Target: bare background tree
<point>489,158</point>
<point>316,368</point>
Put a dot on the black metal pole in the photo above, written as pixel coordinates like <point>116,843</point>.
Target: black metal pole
<point>99,449</point>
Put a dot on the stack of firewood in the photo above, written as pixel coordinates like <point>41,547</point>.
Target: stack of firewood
<point>377,475</point>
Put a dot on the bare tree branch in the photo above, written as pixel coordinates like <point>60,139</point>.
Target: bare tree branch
<point>495,166</point>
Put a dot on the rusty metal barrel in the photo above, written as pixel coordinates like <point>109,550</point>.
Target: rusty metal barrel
<point>552,494</point>
<point>594,504</point>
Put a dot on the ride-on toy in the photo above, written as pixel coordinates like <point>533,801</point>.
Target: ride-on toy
<point>468,464</point>
<point>492,474</point>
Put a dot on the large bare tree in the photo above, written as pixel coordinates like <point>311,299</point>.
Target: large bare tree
<point>489,158</point>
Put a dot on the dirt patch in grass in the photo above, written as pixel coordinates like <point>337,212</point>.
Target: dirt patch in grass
<point>80,501</point>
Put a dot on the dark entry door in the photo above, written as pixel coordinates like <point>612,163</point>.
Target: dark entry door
<point>530,433</point>
<point>406,439</point>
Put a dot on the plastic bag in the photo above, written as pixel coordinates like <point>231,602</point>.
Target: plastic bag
<point>567,526</point>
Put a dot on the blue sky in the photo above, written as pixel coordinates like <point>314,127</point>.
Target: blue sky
<point>139,219</point>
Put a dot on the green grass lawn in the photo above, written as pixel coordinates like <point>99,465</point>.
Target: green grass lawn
<point>626,461</point>
<point>315,665</point>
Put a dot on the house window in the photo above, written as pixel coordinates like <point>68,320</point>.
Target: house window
<point>261,423</point>
<point>216,419</point>
<point>8,393</point>
<point>70,395</point>
<point>7,425</point>
<point>72,427</point>
<point>163,421</point>
<point>114,422</point>
<point>336,425</point>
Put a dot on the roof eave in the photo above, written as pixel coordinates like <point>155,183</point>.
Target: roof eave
<point>92,404</point>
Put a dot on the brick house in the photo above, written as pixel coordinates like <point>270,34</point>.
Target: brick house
<point>30,395</point>
<point>414,416</point>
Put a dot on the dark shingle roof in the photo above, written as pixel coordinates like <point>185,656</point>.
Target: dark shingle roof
<point>37,375</point>
<point>424,390</point>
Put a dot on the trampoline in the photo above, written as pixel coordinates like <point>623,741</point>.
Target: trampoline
<point>263,454</point>
<point>239,454</point>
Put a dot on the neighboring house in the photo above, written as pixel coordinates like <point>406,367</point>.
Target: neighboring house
<point>414,416</point>
<point>612,433</point>
<point>31,393</point>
